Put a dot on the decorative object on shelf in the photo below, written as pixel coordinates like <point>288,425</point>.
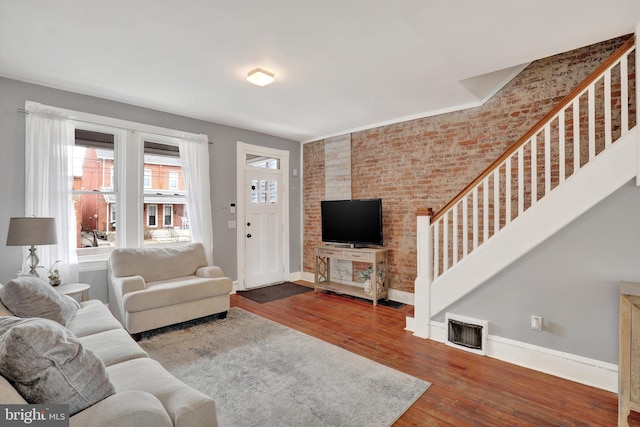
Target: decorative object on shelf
<point>53,274</point>
<point>366,276</point>
<point>32,231</point>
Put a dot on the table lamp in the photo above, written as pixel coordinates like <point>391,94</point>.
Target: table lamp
<point>32,231</point>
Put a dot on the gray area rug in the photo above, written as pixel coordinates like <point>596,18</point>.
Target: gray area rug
<point>261,373</point>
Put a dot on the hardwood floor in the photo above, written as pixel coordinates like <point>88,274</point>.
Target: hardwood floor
<point>466,390</point>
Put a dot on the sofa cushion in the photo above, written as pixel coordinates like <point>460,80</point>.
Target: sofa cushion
<point>92,317</point>
<point>155,264</point>
<point>30,296</point>
<point>46,363</point>
<point>113,346</point>
<point>176,291</point>
<point>186,406</point>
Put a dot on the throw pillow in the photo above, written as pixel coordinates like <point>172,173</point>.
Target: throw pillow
<point>30,296</point>
<point>47,364</point>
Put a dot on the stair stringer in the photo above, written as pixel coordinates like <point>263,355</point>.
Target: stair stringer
<point>602,176</point>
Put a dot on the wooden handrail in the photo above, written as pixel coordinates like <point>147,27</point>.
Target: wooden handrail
<point>594,76</point>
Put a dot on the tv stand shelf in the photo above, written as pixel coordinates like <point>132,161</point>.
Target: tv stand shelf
<point>376,257</point>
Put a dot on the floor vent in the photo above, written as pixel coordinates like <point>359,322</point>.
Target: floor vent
<point>466,333</point>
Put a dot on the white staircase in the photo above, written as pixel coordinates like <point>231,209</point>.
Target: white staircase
<point>581,152</point>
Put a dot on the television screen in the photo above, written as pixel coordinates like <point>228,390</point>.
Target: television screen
<point>355,222</point>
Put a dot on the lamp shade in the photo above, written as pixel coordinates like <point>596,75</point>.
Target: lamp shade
<point>31,231</point>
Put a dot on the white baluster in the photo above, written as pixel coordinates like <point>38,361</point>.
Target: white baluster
<point>592,122</point>
<point>607,108</point>
<point>445,242</point>
<point>465,226</point>
<point>624,94</point>
<point>436,249</point>
<point>496,200</point>
<point>507,191</point>
<point>520,180</point>
<point>485,210</point>
<point>454,235</point>
<point>576,135</point>
<point>547,158</point>
<point>561,146</point>
<point>534,169</point>
<point>474,212</point>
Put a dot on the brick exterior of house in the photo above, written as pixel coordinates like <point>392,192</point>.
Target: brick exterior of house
<point>426,162</point>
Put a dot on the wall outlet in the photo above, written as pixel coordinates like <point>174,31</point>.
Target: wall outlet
<point>232,224</point>
<point>536,323</point>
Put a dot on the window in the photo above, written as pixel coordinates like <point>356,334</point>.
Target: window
<point>263,191</point>
<point>262,162</point>
<point>168,216</point>
<point>173,180</point>
<point>147,178</point>
<point>94,190</point>
<point>162,159</point>
<point>96,193</point>
<point>122,174</point>
<point>152,215</point>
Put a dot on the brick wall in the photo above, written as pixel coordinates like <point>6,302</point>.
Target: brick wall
<point>426,162</point>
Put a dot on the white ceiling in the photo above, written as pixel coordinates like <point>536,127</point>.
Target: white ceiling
<point>340,65</point>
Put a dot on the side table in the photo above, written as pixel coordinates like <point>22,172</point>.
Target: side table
<point>72,289</point>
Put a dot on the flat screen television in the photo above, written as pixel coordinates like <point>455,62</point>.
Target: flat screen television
<point>355,222</point>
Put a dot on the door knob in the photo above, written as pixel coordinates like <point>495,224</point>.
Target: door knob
<point>249,235</point>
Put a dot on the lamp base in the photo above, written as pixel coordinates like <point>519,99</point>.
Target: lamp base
<point>32,261</point>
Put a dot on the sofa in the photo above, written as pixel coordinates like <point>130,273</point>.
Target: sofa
<point>79,354</point>
<point>154,287</point>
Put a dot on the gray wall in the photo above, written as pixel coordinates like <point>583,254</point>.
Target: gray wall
<point>14,93</point>
<point>571,280</point>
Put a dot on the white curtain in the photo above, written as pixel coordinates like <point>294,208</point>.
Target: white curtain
<point>194,154</point>
<point>49,144</point>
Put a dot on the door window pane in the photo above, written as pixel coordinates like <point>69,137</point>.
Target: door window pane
<point>262,162</point>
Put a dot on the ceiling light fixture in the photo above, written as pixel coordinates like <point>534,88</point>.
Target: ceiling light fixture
<point>260,77</point>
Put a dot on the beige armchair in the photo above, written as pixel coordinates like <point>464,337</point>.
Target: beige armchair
<point>154,287</point>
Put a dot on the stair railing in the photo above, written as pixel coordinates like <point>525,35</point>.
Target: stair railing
<point>585,123</point>
<point>588,120</point>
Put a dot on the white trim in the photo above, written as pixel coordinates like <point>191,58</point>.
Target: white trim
<point>127,125</point>
<point>584,189</point>
<point>583,370</point>
<point>396,120</point>
<point>242,149</point>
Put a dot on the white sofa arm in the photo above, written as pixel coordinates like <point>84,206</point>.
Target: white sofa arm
<point>209,271</point>
<point>131,408</point>
<point>128,284</point>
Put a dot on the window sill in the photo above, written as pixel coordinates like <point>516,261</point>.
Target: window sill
<point>93,263</point>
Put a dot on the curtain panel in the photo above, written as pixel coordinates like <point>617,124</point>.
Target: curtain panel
<point>194,156</point>
<point>49,143</point>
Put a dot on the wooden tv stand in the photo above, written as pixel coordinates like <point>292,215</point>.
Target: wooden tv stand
<point>376,257</point>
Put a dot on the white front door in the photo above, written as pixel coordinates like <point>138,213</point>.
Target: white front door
<point>261,220</point>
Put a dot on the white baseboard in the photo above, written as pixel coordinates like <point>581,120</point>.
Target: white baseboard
<point>591,372</point>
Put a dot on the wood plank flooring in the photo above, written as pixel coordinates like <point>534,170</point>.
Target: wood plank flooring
<point>466,390</point>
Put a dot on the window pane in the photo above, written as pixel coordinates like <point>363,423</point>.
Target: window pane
<point>94,191</point>
<point>262,162</point>
<point>166,219</point>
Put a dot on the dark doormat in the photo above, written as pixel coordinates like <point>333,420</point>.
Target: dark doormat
<point>274,292</point>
